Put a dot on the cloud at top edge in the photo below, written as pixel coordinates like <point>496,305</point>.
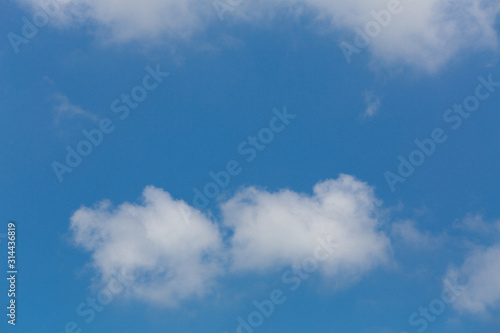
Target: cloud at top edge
<point>426,34</point>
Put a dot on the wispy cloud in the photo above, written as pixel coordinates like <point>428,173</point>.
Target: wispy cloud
<point>407,232</point>
<point>476,223</point>
<point>373,103</point>
<point>65,109</point>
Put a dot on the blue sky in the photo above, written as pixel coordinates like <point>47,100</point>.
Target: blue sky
<point>294,143</point>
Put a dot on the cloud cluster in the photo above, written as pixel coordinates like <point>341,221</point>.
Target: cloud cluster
<point>174,252</point>
<point>426,34</point>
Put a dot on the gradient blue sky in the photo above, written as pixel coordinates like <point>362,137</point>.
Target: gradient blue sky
<point>225,79</point>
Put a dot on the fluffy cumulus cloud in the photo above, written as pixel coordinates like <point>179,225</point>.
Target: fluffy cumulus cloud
<point>480,276</point>
<point>278,229</point>
<point>424,33</point>
<point>168,250</point>
<point>172,252</point>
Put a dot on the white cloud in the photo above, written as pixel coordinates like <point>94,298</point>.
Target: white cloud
<point>273,230</point>
<point>167,259</point>
<point>481,273</point>
<point>174,252</point>
<point>426,34</point>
